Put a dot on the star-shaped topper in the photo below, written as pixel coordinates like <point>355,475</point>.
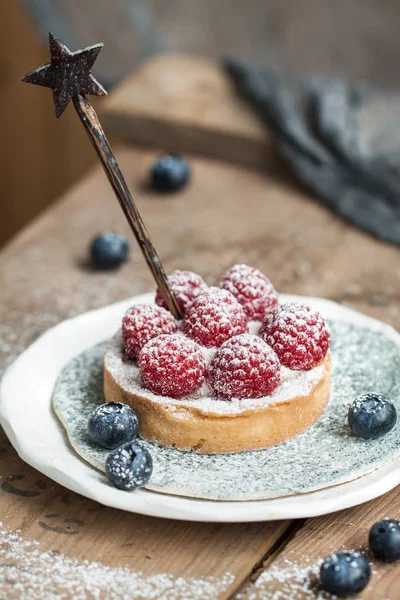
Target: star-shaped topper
<point>68,73</point>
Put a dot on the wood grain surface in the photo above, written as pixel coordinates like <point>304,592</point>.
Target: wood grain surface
<point>117,181</point>
<point>188,104</point>
<point>346,530</point>
<point>226,215</point>
<point>357,40</point>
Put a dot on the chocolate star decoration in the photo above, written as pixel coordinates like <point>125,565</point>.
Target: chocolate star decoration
<point>67,74</point>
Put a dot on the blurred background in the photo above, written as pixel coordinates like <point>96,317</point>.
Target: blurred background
<point>42,156</point>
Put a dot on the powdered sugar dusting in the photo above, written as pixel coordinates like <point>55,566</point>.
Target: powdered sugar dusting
<point>185,285</point>
<point>290,581</point>
<point>27,572</point>
<point>324,455</point>
<point>373,404</point>
<point>172,365</point>
<point>297,333</point>
<point>252,289</point>
<point>296,578</point>
<point>244,367</point>
<point>293,383</point>
<point>143,322</point>
<point>214,317</point>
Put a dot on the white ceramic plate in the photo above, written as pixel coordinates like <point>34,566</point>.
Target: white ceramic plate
<point>33,429</point>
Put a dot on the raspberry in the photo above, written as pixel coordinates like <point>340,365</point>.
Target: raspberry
<point>214,317</point>
<point>252,289</point>
<point>185,286</point>
<point>244,367</point>
<point>141,323</point>
<point>171,365</point>
<point>298,334</point>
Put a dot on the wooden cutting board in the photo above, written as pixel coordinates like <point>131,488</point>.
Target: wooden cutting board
<point>188,104</point>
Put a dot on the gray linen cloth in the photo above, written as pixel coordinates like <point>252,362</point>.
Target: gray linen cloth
<point>342,140</point>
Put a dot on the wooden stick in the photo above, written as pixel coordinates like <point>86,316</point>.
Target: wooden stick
<point>100,143</point>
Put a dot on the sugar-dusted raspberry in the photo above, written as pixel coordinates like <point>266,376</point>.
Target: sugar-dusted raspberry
<point>172,365</point>
<point>252,289</point>
<point>214,317</point>
<point>298,334</point>
<point>244,367</point>
<point>185,285</point>
<point>141,323</point>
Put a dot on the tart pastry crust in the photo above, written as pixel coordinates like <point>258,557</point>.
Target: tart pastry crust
<point>180,425</point>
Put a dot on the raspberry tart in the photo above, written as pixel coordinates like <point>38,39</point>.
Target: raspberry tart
<point>240,372</point>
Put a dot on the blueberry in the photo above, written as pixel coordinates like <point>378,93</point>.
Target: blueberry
<point>112,424</point>
<point>371,416</point>
<point>109,250</point>
<point>344,574</point>
<point>129,467</point>
<point>384,540</point>
<point>169,173</point>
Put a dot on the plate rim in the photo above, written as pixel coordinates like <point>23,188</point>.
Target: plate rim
<point>68,469</point>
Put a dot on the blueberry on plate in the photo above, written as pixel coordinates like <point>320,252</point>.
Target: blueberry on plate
<point>169,173</point>
<point>112,424</point>
<point>344,574</point>
<point>384,540</point>
<point>129,467</point>
<point>371,416</point>
<point>109,250</point>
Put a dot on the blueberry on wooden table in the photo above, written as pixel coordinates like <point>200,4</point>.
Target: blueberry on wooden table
<point>384,540</point>
<point>129,467</point>
<point>344,574</point>
<point>112,424</point>
<point>109,250</point>
<point>372,416</point>
<point>169,173</point>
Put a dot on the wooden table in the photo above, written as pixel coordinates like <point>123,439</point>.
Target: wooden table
<point>228,214</point>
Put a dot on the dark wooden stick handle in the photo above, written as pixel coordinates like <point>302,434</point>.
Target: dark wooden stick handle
<point>98,138</point>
